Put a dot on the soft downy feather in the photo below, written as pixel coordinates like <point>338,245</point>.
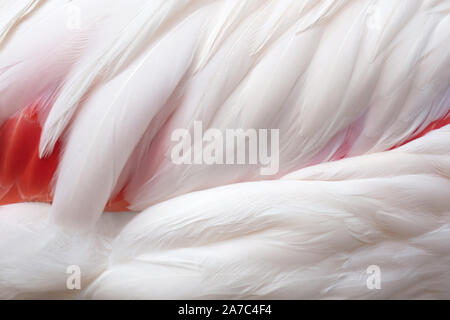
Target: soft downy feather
<point>36,255</point>
<point>290,238</point>
<point>296,239</point>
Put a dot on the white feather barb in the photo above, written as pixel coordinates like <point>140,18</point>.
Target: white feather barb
<point>12,12</point>
<point>109,59</point>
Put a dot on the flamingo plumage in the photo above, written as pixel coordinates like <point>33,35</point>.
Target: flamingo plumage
<point>91,92</point>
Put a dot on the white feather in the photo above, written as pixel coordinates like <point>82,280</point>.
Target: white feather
<point>339,78</point>
<point>105,133</point>
<point>12,12</point>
